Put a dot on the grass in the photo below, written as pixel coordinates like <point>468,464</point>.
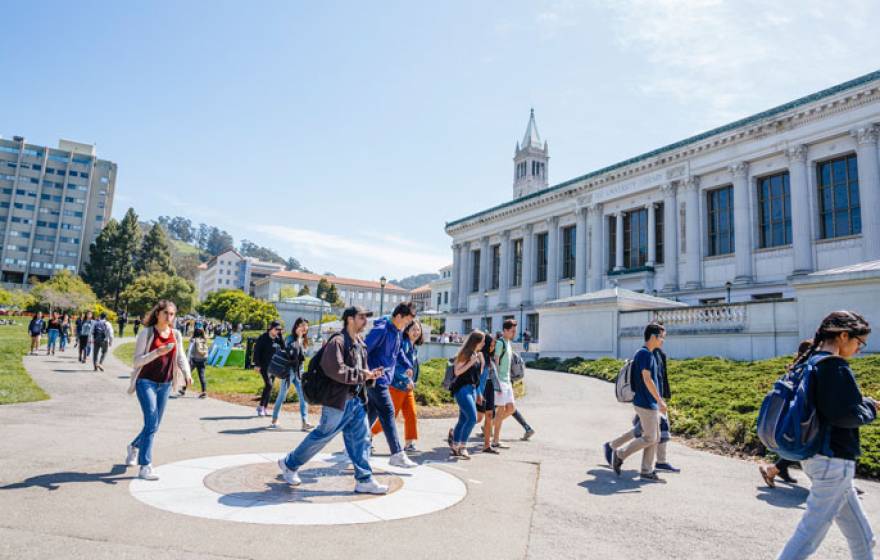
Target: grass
<point>717,400</point>
<point>16,386</point>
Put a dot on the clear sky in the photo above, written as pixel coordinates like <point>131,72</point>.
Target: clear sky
<point>347,133</point>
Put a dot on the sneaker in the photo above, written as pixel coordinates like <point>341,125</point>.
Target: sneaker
<point>101,367</point>
<point>528,435</point>
<point>606,448</point>
<point>666,467</point>
<point>491,451</point>
<point>203,395</point>
<point>651,477</point>
<point>411,448</point>
<point>146,473</point>
<point>616,462</point>
<point>132,456</point>
<point>400,459</point>
<point>274,426</point>
<point>290,477</point>
<point>370,487</point>
<point>260,411</point>
<point>463,454</point>
<point>499,445</point>
<point>306,427</point>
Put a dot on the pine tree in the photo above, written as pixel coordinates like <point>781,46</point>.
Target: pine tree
<point>97,271</point>
<point>155,253</point>
<point>332,296</point>
<point>304,291</point>
<point>323,288</point>
<point>125,247</point>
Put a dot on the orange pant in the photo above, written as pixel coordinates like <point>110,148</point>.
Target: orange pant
<point>406,401</point>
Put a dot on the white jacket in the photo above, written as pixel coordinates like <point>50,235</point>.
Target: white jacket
<point>142,357</point>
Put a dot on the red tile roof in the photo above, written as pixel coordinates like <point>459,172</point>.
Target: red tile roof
<point>338,281</point>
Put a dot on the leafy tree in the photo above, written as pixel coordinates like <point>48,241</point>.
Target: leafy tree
<point>287,292</point>
<point>97,272</point>
<point>293,264</point>
<point>155,252</point>
<point>98,308</point>
<point>181,228</point>
<point>22,300</point>
<point>202,235</point>
<point>236,306</point>
<point>149,288</point>
<point>304,291</point>
<point>218,241</point>
<point>5,298</point>
<point>323,288</point>
<point>64,292</point>
<point>332,296</point>
<point>248,249</point>
<point>185,264</point>
<point>121,269</point>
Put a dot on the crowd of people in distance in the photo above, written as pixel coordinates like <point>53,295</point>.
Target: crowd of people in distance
<point>91,336</point>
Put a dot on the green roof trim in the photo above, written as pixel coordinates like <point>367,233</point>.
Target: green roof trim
<point>861,80</point>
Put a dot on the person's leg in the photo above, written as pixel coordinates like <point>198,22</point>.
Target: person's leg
<point>623,439</point>
<point>267,389</point>
<point>830,486</point>
<point>853,523</point>
<point>279,401</point>
<point>152,397</point>
<point>357,439</point>
<point>95,356</point>
<point>396,400</point>
<point>517,415</point>
<point>487,429</point>
<point>105,346</point>
<point>331,423</point>
<point>502,413</point>
<point>200,367</point>
<point>303,405</point>
<point>650,422</point>
<point>470,413</point>
<point>381,399</point>
<point>410,422</point>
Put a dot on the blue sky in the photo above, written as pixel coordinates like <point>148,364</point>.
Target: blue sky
<point>348,133</point>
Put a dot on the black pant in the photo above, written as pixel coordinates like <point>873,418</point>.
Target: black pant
<point>783,464</point>
<point>83,348</point>
<point>100,346</point>
<point>522,421</point>
<point>199,366</point>
<point>267,387</point>
<point>380,405</point>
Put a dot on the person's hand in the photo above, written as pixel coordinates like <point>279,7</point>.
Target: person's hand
<point>480,399</point>
<point>411,386</point>
<point>189,380</point>
<point>164,349</point>
<point>409,373</point>
<point>663,407</point>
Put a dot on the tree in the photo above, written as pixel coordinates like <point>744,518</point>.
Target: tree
<point>202,235</point>
<point>22,300</point>
<point>304,291</point>
<point>332,297</point>
<point>149,288</point>
<point>293,264</point>
<point>6,298</point>
<point>248,249</point>
<point>287,292</point>
<point>323,288</point>
<point>125,246</point>
<point>64,292</point>
<point>155,253</point>
<point>98,271</point>
<point>186,264</point>
<point>236,306</point>
<point>181,228</point>
<point>218,242</point>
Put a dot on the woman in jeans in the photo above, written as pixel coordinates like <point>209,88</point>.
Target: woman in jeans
<point>402,389</point>
<point>842,410</point>
<point>297,342</point>
<point>159,362</point>
<point>197,361</point>
<point>486,394</point>
<point>467,367</point>
<point>65,331</point>
<point>53,329</point>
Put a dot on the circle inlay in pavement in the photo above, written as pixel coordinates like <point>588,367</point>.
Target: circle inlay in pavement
<point>248,488</point>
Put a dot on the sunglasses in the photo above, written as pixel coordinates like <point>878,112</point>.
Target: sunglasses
<point>862,342</point>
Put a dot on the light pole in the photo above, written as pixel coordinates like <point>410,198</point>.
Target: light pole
<point>382,295</point>
<point>728,286</point>
<point>485,309</point>
<point>521,327</point>
<point>570,287</point>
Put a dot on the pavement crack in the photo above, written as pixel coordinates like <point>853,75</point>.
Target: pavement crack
<point>537,465</point>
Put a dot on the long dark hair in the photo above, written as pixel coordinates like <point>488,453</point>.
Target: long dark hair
<point>469,347</point>
<point>198,332</point>
<point>832,326</point>
<point>162,305</point>
<point>803,348</point>
<point>487,353</point>
<point>299,321</point>
<point>421,339</point>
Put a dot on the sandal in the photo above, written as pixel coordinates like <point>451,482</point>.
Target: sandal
<point>766,476</point>
<point>449,438</point>
<point>491,451</point>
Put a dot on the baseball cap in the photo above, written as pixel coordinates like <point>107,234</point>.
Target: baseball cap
<point>275,325</point>
<point>355,310</point>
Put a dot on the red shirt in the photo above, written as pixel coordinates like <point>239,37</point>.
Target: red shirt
<point>160,370</point>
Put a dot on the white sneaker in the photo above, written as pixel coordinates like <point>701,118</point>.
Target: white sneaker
<point>275,426</point>
<point>260,411</point>
<point>132,456</point>
<point>401,460</point>
<point>291,477</point>
<point>370,487</point>
<point>146,473</point>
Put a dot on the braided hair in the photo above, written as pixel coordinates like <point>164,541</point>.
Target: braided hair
<point>832,326</point>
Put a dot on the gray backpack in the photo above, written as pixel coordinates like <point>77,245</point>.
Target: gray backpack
<point>517,367</point>
<point>623,389</point>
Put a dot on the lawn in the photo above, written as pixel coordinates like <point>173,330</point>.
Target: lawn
<point>16,386</point>
<point>717,400</point>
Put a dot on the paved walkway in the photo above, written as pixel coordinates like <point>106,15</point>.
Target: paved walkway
<point>64,494</point>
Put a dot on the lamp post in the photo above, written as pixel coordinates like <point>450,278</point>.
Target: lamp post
<point>485,309</point>
<point>728,286</point>
<point>521,327</point>
<point>382,282</point>
<point>570,287</point>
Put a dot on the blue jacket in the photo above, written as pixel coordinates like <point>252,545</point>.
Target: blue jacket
<point>408,358</point>
<point>383,347</point>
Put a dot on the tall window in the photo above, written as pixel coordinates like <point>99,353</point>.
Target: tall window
<point>496,267</point>
<point>774,200</point>
<point>720,215</point>
<point>839,207</point>
<point>532,325</point>
<point>475,267</point>
<point>635,238</point>
<point>569,247</point>
<point>612,241</point>
<point>658,233</point>
<point>439,299</point>
<point>541,264</point>
<point>487,324</point>
<point>467,326</point>
<point>517,262</point>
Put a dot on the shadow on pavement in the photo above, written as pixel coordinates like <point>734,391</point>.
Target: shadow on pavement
<point>214,418</point>
<point>53,481</point>
<point>784,496</point>
<point>247,431</point>
<point>606,483</point>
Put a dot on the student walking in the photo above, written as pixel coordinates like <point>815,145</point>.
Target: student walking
<point>505,403</point>
<point>343,360</point>
<point>65,332</point>
<point>296,344</point>
<point>467,368</point>
<point>53,330</point>
<point>137,325</point>
<point>198,357</point>
<point>159,363</point>
<point>35,329</point>
<point>101,338</point>
<point>842,410</point>
<point>486,393</point>
<point>122,320</point>
<point>402,389</point>
<point>648,404</point>
<point>84,334</point>
<point>265,346</point>
<point>383,349</point>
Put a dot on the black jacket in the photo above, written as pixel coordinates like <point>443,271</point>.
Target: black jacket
<point>344,362</point>
<point>660,356</point>
<point>842,408</point>
<point>263,350</point>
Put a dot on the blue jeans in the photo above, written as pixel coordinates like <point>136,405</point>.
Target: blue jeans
<point>282,395</point>
<point>352,422</point>
<point>381,406</point>
<point>152,396</point>
<point>466,397</point>
<point>832,498</point>
<point>63,342</point>
<point>53,338</point>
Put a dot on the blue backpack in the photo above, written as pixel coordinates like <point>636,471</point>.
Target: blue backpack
<point>788,423</point>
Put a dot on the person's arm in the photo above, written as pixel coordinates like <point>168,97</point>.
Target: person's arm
<point>180,358</point>
<point>461,368</point>
<point>189,351</point>
<point>141,355</point>
<point>258,352</point>
<point>484,377</point>
<point>839,398</point>
<point>334,366</point>
<point>109,327</point>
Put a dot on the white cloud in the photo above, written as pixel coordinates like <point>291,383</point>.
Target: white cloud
<point>362,251</point>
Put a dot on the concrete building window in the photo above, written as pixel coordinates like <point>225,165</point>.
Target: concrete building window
<point>569,245</point>
<point>467,326</point>
<point>532,325</point>
<point>475,268</point>
<point>445,298</point>
<point>839,206</point>
<point>635,238</point>
<point>719,203</point>
<point>541,241</point>
<point>439,299</point>
<point>496,267</point>
<point>774,200</point>
<point>612,241</point>
<point>517,263</point>
<point>658,233</point>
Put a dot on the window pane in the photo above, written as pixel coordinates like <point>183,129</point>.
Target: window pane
<point>839,171</point>
<point>854,193</point>
<point>840,196</point>
<point>853,168</point>
<point>841,222</point>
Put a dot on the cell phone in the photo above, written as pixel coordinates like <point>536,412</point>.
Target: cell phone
<point>170,345</point>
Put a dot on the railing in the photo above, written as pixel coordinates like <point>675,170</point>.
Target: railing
<point>703,318</point>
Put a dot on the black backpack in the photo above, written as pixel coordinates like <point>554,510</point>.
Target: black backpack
<point>314,383</point>
<point>99,331</point>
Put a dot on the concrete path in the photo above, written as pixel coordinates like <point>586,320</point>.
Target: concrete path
<point>65,494</point>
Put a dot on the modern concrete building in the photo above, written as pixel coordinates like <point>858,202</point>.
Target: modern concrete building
<point>230,270</point>
<point>441,289</point>
<point>53,204</point>
<point>736,214</point>
<point>366,293</point>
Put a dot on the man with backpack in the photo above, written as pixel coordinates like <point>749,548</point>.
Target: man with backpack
<point>343,361</point>
<point>649,406</point>
<point>505,403</point>
<point>101,338</point>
